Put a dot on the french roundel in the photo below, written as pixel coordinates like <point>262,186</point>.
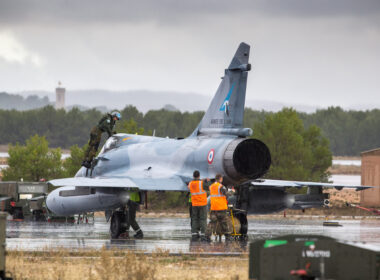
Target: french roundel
<point>210,156</point>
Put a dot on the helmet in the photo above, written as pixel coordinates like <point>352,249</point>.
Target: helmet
<point>116,114</point>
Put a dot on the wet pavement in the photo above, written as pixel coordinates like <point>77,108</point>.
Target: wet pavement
<point>173,234</point>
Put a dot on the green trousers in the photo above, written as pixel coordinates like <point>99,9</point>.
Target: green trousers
<point>218,219</point>
<point>198,219</point>
<point>132,208</point>
<point>93,144</point>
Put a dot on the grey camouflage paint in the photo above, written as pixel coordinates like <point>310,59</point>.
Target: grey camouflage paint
<point>152,163</point>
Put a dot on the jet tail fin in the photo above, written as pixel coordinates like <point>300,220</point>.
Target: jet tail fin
<point>226,110</point>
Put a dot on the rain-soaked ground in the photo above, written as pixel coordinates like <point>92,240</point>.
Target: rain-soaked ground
<point>173,234</point>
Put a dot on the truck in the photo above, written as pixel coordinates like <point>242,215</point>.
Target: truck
<point>24,199</point>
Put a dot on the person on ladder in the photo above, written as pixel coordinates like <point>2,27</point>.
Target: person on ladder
<point>106,124</point>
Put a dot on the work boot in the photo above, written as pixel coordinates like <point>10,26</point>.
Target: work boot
<point>124,235</point>
<point>139,234</point>
<point>194,237</point>
<point>228,237</point>
<point>86,164</point>
<point>205,238</point>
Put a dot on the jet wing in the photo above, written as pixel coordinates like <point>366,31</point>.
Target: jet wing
<point>174,183</point>
<point>299,184</point>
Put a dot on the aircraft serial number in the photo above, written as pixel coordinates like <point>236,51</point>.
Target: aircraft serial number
<point>220,121</point>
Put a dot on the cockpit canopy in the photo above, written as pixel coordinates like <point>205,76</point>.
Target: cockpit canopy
<point>111,143</point>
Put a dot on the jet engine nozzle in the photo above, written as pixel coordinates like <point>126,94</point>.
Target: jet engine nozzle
<point>246,159</point>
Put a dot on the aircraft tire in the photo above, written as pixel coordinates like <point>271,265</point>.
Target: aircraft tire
<point>116,224</point>
<point>17,214</point>
<point>38,216</point>
<point>243,223</point>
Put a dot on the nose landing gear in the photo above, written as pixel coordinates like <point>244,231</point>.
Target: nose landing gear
<point>119,223</point>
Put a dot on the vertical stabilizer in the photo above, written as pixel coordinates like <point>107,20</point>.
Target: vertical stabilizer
<point>226,110</point>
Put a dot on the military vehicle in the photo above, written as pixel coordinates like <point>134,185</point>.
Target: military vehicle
<point>23,199</point>
<point>3,221</point>
<point>37,206</point>
<point>312,257</point>
<point>219,144</point>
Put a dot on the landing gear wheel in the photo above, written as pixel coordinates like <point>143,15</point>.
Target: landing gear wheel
<point>117,227</point>
<point>17,214</point>
<point>243,226</point>
<point>38,216</point>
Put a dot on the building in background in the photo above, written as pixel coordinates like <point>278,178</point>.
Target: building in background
<point>370,177</point>
<point>60,97</point>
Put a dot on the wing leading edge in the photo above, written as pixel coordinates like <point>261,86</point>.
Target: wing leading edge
<point>299,184</point>
<point>174,183</point>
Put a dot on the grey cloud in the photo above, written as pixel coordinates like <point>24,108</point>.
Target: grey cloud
<point>305,51</point>
<point>92,11</point>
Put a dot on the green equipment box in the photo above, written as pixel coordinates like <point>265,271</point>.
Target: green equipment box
<point>312,257</point>
<point>3,220</point>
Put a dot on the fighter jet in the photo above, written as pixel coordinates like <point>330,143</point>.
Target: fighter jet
<point>219,144</point>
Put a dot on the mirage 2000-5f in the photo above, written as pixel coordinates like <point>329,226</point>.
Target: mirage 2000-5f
<point>219,144</point>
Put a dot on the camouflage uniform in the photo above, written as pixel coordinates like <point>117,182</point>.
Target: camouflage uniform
<point>219,219</point>
<point>106,124</point>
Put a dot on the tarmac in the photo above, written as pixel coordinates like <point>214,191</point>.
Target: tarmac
<point>173,235</point>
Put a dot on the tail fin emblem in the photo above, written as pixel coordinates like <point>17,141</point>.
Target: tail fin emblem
<point>226,101</point>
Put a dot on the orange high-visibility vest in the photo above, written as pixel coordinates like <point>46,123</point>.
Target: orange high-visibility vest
<point>218,200</point>
<point>198,195</point>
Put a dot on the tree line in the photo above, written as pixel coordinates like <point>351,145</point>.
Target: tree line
<point>348,132</point>
<point>297,152</point>
<point>18,102</point>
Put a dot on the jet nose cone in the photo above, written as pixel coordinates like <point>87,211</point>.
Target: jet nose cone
<point>52,203</point>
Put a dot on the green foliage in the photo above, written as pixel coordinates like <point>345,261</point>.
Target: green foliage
<point>297,153</point>
<point>72,164</point>
<point>129,126</point>
<point>62,129</point>
<point>167,200</point>
<point>172,123</point>
<point>18,102</point>
<point>349,132</point>
<point>131,112</point>
<point>33,161</point>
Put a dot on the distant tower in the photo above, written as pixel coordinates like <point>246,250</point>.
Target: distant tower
<point>60,97</point>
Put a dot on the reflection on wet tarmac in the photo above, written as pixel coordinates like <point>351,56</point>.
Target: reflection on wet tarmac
<point>172,234</point>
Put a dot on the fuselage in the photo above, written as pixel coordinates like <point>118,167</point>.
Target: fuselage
<point>147,156</point>
<point>149,159</point>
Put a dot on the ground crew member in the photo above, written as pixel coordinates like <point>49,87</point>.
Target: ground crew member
<point>106,124</point>
<point>190,209</point>
<point>133,205</point>
<point>199,208</point>
<point>219,207</point>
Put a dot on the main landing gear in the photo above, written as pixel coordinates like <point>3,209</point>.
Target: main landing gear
<point>239,213</point>
<point>239,217</point>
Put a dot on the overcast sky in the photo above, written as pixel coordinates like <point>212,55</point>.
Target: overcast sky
<point>314,52</point>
